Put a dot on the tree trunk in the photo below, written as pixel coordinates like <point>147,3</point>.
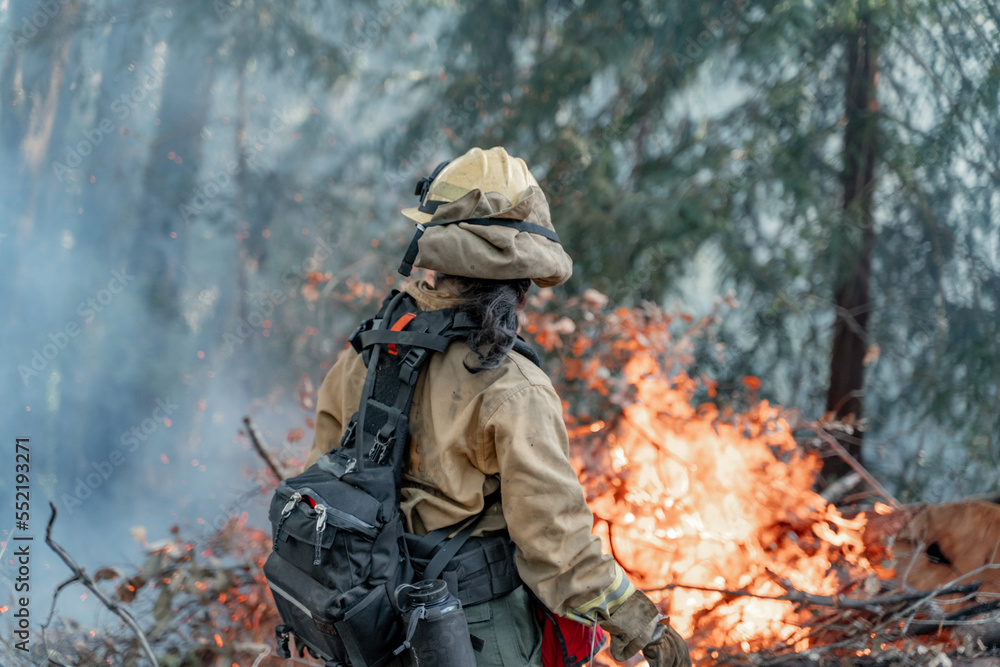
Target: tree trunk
<point>109,201</point>
<point>845,398</point>
<point>34,72</point>
<point>169,179</point>
<point>161,229</point>
<point>241,181</point>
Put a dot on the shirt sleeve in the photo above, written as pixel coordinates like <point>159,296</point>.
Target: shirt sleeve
<point>558,557</point>
<point>333,403</point>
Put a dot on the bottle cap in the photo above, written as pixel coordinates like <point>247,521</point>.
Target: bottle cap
<point>427,591</point>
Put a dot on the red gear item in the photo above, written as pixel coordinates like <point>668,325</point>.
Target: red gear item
<point>399,326</point>
<point>565,642</point>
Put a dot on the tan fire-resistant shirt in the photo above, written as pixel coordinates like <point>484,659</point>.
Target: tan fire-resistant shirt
<point>469,430</point>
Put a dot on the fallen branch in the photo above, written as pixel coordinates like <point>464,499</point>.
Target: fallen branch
<point>55,596</point>
<point>874,604</point>
<point>960,618</point>
<point>839,450</point>
<point>792,594</point>
<point>81,576</point>
<point>975,610</point>
<point>257,440</point>
<point>961,613</point>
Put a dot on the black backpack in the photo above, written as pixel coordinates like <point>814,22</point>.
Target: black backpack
<point>339,549</point>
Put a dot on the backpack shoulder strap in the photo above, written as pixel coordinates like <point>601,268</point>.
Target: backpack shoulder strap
<point>521,346</point>
<point>395,345</point>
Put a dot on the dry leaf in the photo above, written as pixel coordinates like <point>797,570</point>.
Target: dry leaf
<point>106,573</point>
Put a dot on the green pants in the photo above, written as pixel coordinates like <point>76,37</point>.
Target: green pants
<point>508,628</point>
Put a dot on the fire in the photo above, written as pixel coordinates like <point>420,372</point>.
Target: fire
<point>696,508</point>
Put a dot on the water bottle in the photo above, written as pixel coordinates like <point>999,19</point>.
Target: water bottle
<point>436,631</point>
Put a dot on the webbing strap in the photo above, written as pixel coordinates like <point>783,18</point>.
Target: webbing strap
<point>519,225</point>
<point>399,326</point>
<point>369,386</point>
<point>445,553</point>
<point>430,341</point>
<point>431,540</point>
<point>406,266</point>
<point>408,374</point>
<point>432,331</point>
<point>463,322</point>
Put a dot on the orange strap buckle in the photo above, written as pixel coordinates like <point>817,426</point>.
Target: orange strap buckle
<point>399,326</point>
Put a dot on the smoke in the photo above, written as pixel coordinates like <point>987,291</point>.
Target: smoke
<point>128,376</point>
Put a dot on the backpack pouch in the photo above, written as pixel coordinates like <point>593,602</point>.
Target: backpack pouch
<point>360,629</point>
<point>308,607</point>
<point>345,538</point>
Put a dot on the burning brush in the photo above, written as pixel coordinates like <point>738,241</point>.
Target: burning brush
<point>714,515</point>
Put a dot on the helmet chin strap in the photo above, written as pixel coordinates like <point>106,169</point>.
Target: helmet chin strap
<point>424,187</point>
<point>406,266</point>
<point>422,190</point>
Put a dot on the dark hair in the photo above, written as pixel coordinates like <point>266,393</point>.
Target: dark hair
<point>493,306</point>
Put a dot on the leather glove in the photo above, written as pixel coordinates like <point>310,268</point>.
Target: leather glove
<point>631,626</point>
<point>666,648</point>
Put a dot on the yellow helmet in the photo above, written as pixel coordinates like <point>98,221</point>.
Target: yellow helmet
<point>492,170</point>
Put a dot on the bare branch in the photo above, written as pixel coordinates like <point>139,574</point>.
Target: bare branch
<point>257,440</point>
<point>874,604</point>
<point>81,576</point>
<point>55,596</point>
<point>857,467</point>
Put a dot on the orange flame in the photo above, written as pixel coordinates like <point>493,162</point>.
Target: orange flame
<point>695,507</point>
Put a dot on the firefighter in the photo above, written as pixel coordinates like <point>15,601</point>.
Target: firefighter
<point>484,416</point>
